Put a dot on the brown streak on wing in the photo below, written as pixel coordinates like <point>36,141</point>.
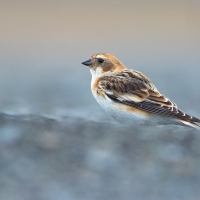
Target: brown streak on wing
<point>120,85</point>
<point>135,83</point>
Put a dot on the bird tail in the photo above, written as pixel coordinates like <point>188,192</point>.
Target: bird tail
<point>190,124</point>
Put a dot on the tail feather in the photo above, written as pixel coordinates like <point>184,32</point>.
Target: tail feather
<point>184,116</point>
<point>190,124</point>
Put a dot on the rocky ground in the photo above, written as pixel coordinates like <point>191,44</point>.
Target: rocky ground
<point>79,159</point>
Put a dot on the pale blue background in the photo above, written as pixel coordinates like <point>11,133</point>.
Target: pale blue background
<point>42,45</point>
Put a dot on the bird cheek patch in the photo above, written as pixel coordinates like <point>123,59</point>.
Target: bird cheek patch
<point>107,67</point>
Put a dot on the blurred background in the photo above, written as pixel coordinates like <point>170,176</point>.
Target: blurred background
<point>42,45</point>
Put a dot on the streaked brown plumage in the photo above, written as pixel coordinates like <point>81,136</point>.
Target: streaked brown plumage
<point>112,81</point>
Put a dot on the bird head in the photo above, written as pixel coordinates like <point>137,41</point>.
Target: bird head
<point>103,63</point>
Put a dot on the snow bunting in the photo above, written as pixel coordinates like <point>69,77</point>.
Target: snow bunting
<point>130,97</point>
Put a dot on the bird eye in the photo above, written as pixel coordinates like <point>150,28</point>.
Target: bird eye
<point>100,60</point>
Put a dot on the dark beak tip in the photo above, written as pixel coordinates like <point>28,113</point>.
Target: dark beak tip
<point>87,62</point>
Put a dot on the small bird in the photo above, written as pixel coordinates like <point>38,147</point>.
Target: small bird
<point>130,97</point>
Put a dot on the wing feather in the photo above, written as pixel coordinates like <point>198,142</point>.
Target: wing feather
<point>134,89</point>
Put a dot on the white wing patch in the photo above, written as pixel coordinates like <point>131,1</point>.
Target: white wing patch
<point>109,92</point>
<point>125,97</point>
<point>120,99</point>
<point>110,100</point>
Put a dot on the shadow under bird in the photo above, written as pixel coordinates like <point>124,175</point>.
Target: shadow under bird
<point>130,97</point>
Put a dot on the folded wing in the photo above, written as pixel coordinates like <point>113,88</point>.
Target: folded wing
<point>134,89</point>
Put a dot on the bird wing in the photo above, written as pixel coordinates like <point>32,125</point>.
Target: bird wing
<point>134,89</point>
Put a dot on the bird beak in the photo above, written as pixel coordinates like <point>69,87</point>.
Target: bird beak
<point>87,62</point>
